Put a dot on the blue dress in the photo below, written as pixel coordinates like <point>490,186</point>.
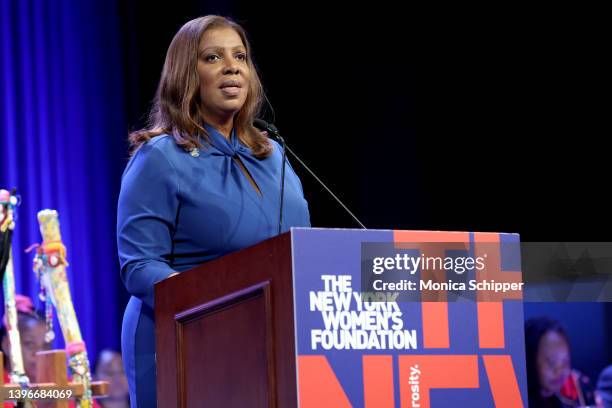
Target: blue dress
<point>177,211</point>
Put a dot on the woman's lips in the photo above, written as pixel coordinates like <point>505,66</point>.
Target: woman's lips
<point>231,90</point>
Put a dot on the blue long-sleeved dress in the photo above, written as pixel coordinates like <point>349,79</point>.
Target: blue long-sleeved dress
<point>177,210</point>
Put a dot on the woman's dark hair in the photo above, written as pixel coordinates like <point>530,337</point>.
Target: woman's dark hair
<point>535,329</point>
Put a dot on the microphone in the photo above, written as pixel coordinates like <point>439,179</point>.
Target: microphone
<point>272,130</point>
<point>274,133</point>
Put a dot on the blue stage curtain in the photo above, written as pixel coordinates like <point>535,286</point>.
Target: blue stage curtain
<point>62,144</point>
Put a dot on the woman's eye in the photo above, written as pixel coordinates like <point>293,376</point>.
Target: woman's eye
<point>211,58</point>
<point>241,57</point>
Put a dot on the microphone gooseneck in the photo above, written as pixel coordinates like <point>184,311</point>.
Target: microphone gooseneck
<point>273,132</point>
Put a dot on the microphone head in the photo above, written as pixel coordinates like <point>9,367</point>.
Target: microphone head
<point>270,128</point>
<point>260,124</point>
<point>263,125</point>
<point>273,129</point>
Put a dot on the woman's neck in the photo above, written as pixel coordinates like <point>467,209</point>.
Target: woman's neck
<point>223,124</point>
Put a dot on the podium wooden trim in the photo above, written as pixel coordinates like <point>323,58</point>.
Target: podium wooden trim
<point>225,331</point>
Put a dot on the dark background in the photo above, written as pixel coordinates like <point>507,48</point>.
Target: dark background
<point>462,119</point>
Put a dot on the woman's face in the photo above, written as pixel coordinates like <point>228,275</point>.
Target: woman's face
<point>223,71</point>
<point>32,341</point>
<point>553,363</point>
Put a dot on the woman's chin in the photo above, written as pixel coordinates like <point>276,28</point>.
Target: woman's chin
<point>231,109</point>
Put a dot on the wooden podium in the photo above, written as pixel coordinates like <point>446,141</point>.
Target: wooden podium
<point>298,318</point>
<point>225,331</point>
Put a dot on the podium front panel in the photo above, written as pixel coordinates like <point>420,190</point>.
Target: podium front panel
<point>229,336</point>
<point>436,333</point>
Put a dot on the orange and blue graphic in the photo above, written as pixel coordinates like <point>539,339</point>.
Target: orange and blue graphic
<point>425,353</point>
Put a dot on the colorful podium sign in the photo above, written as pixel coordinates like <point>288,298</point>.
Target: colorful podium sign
<point>408,319</point>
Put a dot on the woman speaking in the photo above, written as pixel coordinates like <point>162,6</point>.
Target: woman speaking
<point>201,182</point>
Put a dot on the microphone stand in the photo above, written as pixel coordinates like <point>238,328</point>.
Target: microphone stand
<point>282,187</point>
<point>326,188</point>
<point>272,130</point>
